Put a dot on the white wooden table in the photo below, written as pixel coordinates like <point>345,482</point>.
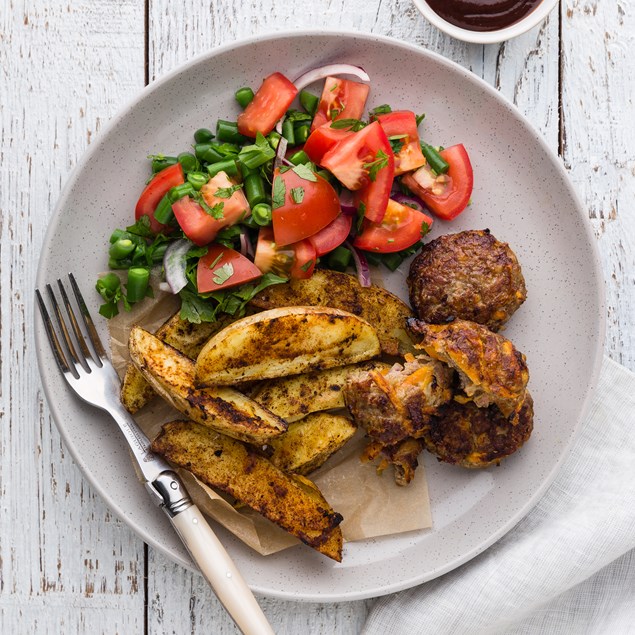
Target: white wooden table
<point>67,565</point>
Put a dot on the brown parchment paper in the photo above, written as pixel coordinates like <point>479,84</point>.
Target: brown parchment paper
<point>372,505</point>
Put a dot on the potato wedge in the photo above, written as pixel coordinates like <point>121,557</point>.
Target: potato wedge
<point>296,396</point>
<point>187,337</point>
<point>309,442</point>
<point>232,467</point>
<point>385,311</point>
<point>282,342</point>
<point>226,410</point>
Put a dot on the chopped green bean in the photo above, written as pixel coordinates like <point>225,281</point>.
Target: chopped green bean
<point>178,192</point>
<point>228,131</point>
<point>206,153</point>
<point>160,162</point>
<point>274,139</point>
<point>436,161</point>
<point>122,248</point>
<point>261,214</point>
<point>244,96</point>
<point>197,179</point>
<point>339,259</point>
<point>229,166</point>
<point>137,286</point>
<point>188,162</point>
<point>203,135</point>
<point>300,157</point>
<point>301,134</point>
<point>309,102</point>
<point>254,187</point>
<point>287,132</point>
<point>163,211</point>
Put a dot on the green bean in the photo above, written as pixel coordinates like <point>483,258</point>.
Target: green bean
<point>206,153</point>
<point>163,211</point>
<point>203,135</point>
<point>274,139</point>
<point>228,131</point>
<point>178,192</point>
<point>188,162</point>
<point>301,133</point>
<point>197,179</point>
<point>137,286</point>
<point>299,157</point>
<point>339,259</point>
<point>245,170</point>
<point>261,214</point>
<point>160,162</point>
<point>107,286</point>
<point>254,188</point>
<point>393,260</point>
<point>229,166</point>
<point>309,102</point>
<point>121,248</point>
<point>287,132</point>
<point>244,96</point>
<point>436,161</point>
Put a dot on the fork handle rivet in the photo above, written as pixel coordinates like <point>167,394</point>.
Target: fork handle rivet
<point>174,485</point>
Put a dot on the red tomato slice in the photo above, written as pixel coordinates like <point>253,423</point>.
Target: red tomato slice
<point>155,191</point>
<point>447,195</point>
<point>221,268</point>
<point>341,99</point>
<point>401,227</point>
<point>333,235</point>
<point>295,261</point>
<point>322,139</point>
<point>268,106</point>
<point>305,259</point>
<point>317,205</point>
<point>396,124</point>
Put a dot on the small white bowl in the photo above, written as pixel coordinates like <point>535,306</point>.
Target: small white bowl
<point>487,37</point>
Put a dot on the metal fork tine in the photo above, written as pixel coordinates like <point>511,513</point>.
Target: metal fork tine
<point>88,321</point>
<point>70,347</point>
<point>75,325</point>
<point>58,352</point>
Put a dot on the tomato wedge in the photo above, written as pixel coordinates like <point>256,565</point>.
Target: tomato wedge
<point>322,139</point>
<point>301,207</point>
<point>400,127</point>
<point>341,99</point>
<point>295,261</point>
<point>155,191</point>
<point>268,106</point>
<point>447,195</point>
<point>221,268</point>
<point>199,226</point>
<point>333,235</point>
<point>401,227</point>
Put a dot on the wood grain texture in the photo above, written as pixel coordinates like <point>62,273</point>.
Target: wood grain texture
<point>66,564</point>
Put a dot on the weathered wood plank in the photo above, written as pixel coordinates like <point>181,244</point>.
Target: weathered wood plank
<point>66,564</point>
<point>598,87</point>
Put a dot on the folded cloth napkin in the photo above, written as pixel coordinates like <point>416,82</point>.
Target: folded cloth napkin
<point>568,566</point>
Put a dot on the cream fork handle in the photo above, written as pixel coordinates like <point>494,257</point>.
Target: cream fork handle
<point>220,571</point>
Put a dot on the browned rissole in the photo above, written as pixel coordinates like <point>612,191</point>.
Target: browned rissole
<point>468,275</point>
<point>294,504</point>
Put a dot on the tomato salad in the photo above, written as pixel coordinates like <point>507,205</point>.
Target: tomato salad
<point>266,198</point>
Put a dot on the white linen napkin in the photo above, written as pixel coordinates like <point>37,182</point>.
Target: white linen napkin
<point>568,566</point>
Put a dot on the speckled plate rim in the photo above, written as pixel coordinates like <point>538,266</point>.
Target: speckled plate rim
<point>44,357</point>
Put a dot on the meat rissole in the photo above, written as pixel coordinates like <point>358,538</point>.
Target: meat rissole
<point>465,400</point>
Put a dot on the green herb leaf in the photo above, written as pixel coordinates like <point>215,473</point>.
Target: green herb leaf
<point>344,124</point>
<point>361,212</point>
<point>420,118</point>
<point>255,155</point>
<point>223,273</point>
<point>279,193</point>
<point>380,162</point>
<point>141,227</point>
<point>307,265</point>
<point>397,142</point>
<point>297,194</point>
<point>227,192</point>
<point>305,172</point>
<point>196,309</point>
<point>384,109</point>
<point>297,115</point>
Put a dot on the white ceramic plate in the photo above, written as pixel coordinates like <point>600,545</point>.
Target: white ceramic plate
<point>521,193</point>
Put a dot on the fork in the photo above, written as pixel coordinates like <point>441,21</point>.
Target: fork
<point>92,376</point>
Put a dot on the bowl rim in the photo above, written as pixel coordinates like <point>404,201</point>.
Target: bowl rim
<point>487,37</point>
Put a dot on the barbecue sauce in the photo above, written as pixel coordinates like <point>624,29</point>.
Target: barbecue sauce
<point>483,15</point>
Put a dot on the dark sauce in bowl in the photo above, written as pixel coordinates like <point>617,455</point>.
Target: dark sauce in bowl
<point>483,15</point>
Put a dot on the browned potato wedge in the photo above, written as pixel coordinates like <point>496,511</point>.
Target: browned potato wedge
<point>309,442</point>
<point>296,396</point>
<point>230,466</point>
<point>187,337</point>
<point>226,410</point>
<point>385,311</point>
<point>282,342</point>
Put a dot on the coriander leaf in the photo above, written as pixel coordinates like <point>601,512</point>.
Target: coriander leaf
<point>297,115</point>
<point>141,228</point>
<point>384,109</point>
<point>196,309</point>
<point>343,124</point>
<point>335,112</point>
<point>397,142</point>
<point>285,168</point>
<point>255,155</point>
<point>227,192</point>
<point>227,149</point>
<point>305,172</point>
<point>361,212</point>
<point>224,273</point>
<point>420,118</point>
<point>215,211</point>
<point>279,193</point>
<point>381,161</point>
<point>216,260</point>
<point>297,194</point>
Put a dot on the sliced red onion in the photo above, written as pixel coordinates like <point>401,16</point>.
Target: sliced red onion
<point>245,246</point>
<point>361,264</point>
<point>347,203</point>
<point>411,200</point>
<point>174,263</point>
<point>326,71</point>
<point>280,152</point>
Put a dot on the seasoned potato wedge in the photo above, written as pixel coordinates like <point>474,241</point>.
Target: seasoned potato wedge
<point>285,341</point>
<point>226,410</point>
<point>298,395</point>
<point>230,466</point>
<point>187,337</point>
<point>309,442</point>
<point>385,311</point>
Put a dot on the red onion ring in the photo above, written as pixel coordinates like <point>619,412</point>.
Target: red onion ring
<point>326,71</point>
<point>347,203</point>
<point>245,246</point>
<point>280,152</point>
<point>361,265</point>
<point>175,262</point>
